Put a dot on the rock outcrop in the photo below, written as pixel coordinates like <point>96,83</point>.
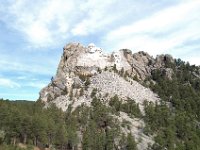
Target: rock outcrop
<point>79,60</point>
<point>83,69</point>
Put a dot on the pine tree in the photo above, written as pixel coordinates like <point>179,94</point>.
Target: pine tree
<point>131,144</point>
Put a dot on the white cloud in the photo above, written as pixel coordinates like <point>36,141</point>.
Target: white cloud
<point>38,34</point>
<point>37,85</point>
<point>46,23</point>
<point>22,67</point>
<point>193,60</point>
<point>98,16</point>
<point>161,21</point>
<point>4,82</point>
<point>21,78</point>
<point>41,22</point>
<point>161,32</point>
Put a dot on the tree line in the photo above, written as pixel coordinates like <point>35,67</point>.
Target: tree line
<point>85,127</point>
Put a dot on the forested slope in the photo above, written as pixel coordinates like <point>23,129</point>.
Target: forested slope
<point>176,121</point>
<point>110,121</point>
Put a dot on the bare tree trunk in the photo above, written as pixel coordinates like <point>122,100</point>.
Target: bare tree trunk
<point>35,140</point>
<point>25,138</point>
<point>49,140</point>
<point>14,140</point>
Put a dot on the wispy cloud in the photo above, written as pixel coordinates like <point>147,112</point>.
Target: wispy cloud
<point>46,23</point>
<point>4,82</point>
<point>21,78</point>
<point>161,32</point>
<point>97,17</point>
<point>35,62</point>
<point>37,85</point>
<point>40,22</point>
<point>29,68</point>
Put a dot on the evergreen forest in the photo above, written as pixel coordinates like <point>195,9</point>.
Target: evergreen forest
<point>174,122</point>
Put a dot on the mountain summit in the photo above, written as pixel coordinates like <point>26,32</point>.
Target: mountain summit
<point>104,71</point>
<point>85,73</point>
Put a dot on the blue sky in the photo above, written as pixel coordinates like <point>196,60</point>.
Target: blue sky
<point>33,33</point>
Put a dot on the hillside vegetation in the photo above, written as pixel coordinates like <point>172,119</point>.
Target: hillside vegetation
<point>111,109</point>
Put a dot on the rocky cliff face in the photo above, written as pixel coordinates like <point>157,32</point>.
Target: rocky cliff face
<point>83,69</point>
<point>78,60</point>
